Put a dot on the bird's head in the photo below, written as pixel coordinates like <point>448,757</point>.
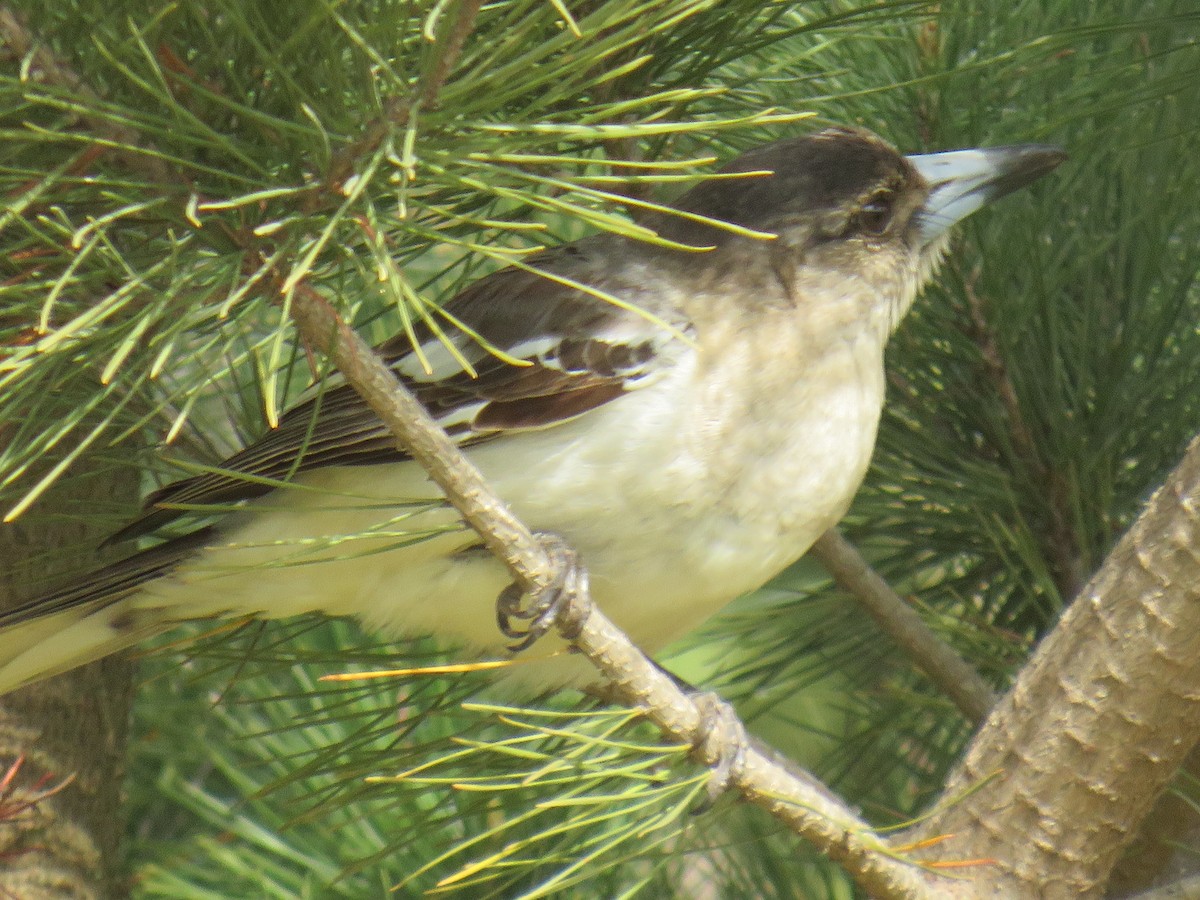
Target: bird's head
<point>847,209</point>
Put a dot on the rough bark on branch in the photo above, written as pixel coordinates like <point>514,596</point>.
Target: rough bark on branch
<point>1098,721</point>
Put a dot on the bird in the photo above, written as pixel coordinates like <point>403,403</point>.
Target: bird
<point>689,414</point>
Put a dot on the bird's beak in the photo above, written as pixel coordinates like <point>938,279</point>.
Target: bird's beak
<point>961,181</point>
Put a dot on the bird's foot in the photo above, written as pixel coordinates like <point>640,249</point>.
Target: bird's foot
<point>541,609</point>
<point>721,744</point>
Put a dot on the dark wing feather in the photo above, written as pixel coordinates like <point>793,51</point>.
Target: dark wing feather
<point>580,352</point>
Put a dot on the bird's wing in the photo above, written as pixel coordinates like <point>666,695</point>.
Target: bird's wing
<point>577,351</point>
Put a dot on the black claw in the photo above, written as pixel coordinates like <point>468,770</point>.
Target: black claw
<point>531,637</point>
<point>508,607</point>
<point>540,609</point>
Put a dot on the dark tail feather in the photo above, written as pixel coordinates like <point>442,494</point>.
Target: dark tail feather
<point>88,619</point>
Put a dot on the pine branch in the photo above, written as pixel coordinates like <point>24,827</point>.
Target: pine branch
<point>1097,722</point>
<point>449,49</point>
<point>933,656</point>
<point>805,805</point>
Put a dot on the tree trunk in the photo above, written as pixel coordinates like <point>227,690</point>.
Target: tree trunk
<point>67,844</point>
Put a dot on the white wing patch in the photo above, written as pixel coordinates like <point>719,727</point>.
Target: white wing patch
<point>434,360</point>
<point>542,348</point>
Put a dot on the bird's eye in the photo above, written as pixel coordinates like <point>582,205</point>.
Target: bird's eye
<point>874,216</point>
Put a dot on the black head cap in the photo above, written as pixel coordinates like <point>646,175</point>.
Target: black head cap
<point>800,177</point>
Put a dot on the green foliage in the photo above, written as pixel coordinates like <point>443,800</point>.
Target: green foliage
<point>251,148</point>
<point>1040,391</point>
<point>196,161</point>
<point>297,788</point>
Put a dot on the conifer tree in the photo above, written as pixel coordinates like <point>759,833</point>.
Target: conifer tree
<point>182,180</point>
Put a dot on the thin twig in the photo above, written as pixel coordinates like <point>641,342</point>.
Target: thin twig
<point>398,110</point>
<point>504,535</point>
<point>45,67</point>
<point>804,804</point>
<point>1062,542</point>
<point>448,52</point>
<point>797,799</point>
<point>933,656</point>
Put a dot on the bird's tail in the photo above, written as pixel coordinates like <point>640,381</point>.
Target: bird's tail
<point>87,619</point>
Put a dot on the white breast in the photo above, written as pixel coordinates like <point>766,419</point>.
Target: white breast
<point>684,497</point>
